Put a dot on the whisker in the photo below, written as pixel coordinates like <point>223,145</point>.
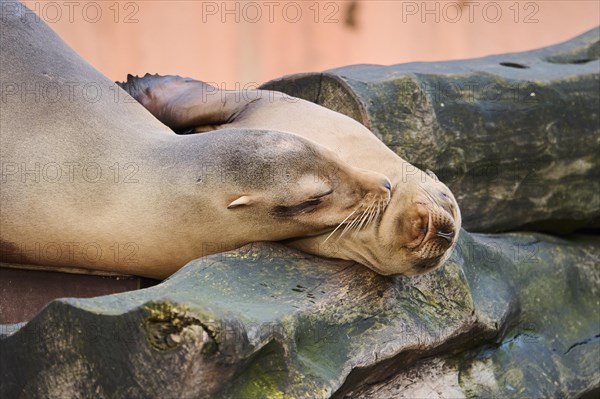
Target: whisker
<point>340,225</point>
<point>374,214</point>
<point>369,217</point>
<point>350,226</point>
<point>364,218</point>
<point>366,215</point>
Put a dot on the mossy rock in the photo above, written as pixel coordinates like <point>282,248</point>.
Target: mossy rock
<point>269,322</point>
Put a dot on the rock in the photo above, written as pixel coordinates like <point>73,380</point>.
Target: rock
<point>515,136</point>
<point>551,346</point>
<point>512,315</point>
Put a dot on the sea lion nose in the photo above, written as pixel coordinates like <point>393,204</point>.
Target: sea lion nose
<point>449,235</point>
<point>387,184</point>
<point>444,230</point>
<point>375,183</point>
<point>443,227</point>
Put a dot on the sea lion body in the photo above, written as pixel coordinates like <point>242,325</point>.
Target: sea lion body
<point>90,180</point>
<point>418,229</point>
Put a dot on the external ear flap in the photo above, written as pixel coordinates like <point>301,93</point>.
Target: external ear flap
<point>432,175</point>
<point>243,200</point>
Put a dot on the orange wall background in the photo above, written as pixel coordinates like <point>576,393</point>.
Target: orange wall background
<point>248,42</point>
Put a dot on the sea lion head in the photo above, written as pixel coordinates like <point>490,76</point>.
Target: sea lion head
<point>418,230</point>
<point>414,234</point>
<point>301,186</point>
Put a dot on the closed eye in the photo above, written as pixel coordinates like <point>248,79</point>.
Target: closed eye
<point>315,200</point>
<point>304,207</point>
<point>321,195</point>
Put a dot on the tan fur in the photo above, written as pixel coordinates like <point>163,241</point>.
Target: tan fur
<point>396,242</point>
<point>91,180</point>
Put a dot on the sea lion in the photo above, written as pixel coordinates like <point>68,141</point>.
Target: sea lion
<point>90,182</point>
<point>414,234</point>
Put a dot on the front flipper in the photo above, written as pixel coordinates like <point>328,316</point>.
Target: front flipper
<point>183,104</point>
